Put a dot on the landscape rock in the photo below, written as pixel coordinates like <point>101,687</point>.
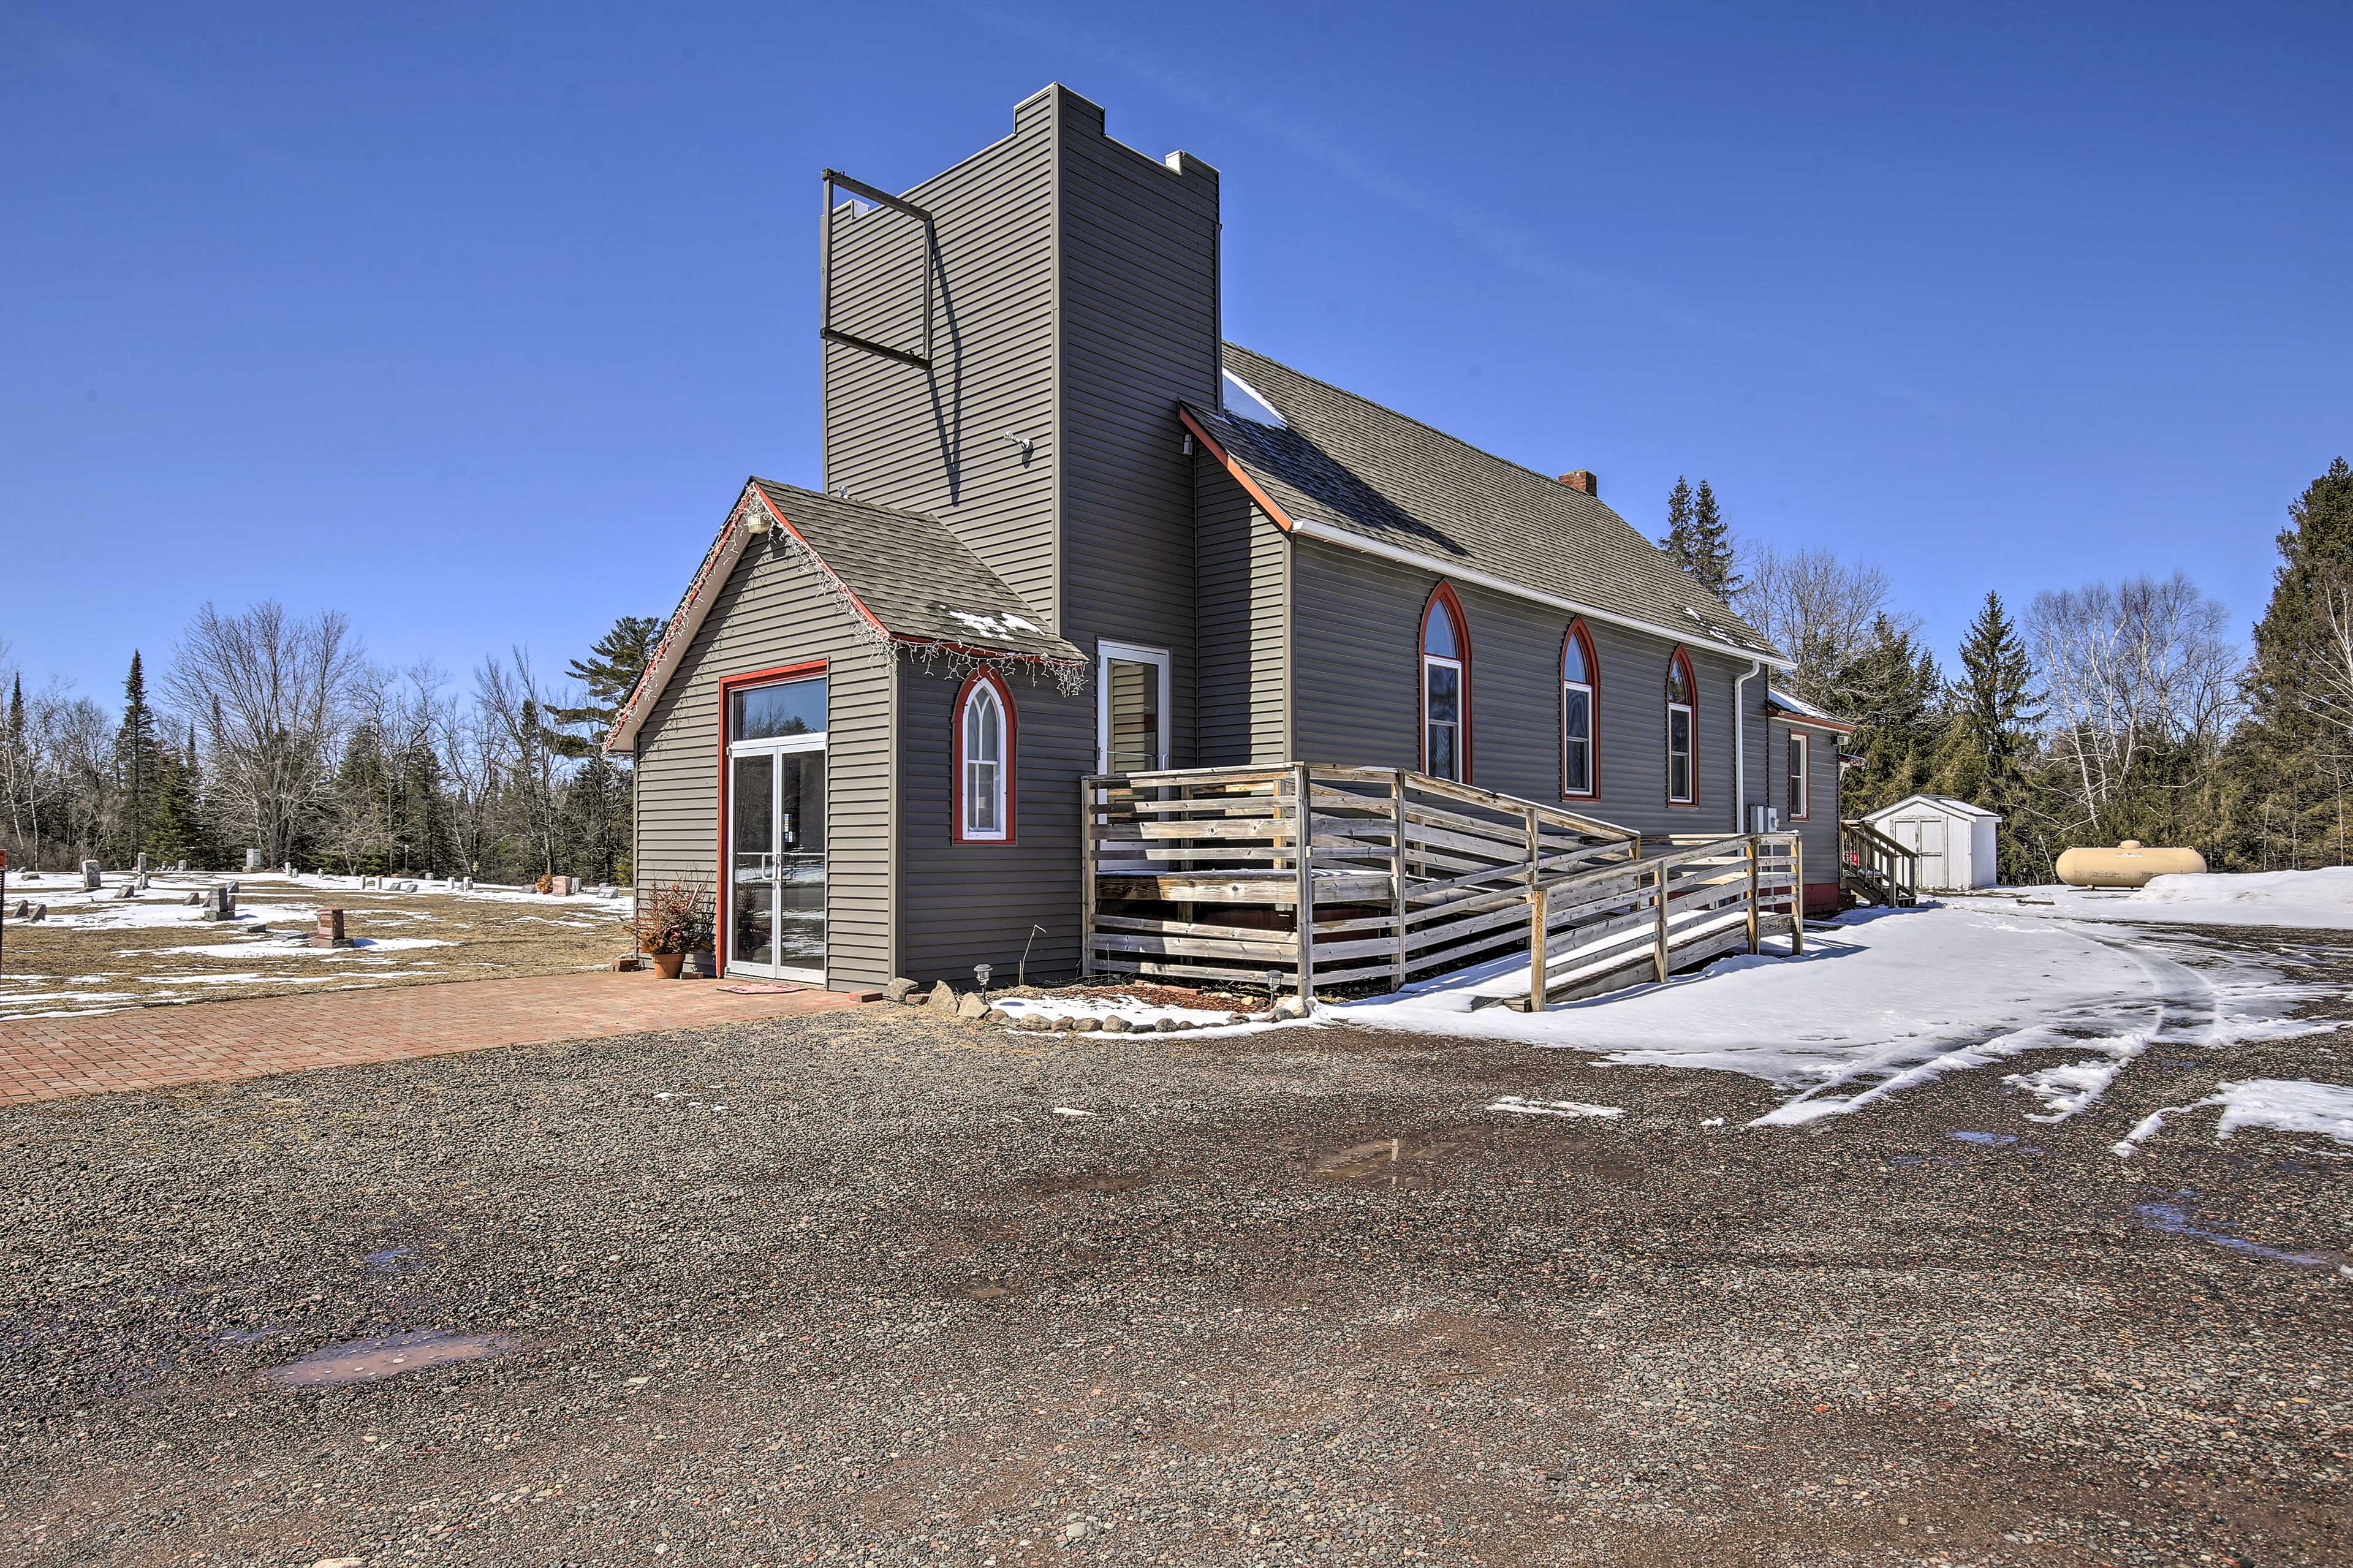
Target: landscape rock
<point>1291,1008</point>
<point>1244,1018</point>
<point>998,1016</point>
<point>1117,1024</point>
<point>972,1006</point>
<point>1087,1025</point>
<point>1034,1024</point>
<point>1167,1025</point>
<point>943,997</point>
<point>899,990</point>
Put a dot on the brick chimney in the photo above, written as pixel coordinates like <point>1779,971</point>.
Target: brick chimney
<point>1583,480</point>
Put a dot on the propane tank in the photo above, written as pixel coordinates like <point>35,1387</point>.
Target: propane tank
<point>2129,865</point>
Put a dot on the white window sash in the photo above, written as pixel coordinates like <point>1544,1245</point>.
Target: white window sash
<point>1687,753</point>
<point>971,791</point>
<point>1460,723</point>
<point>1582,689</point>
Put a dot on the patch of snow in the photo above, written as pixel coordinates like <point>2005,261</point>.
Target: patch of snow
<point>1239,398</point>
<point>1887,1001</point>
<point>2308,901</point>
<point>1514,1104</point>
<point>993,626</point>
<point>1137,1014</point>
<point>361,947</point>
<point>1066,1111</point>
<point>2286,1105</point>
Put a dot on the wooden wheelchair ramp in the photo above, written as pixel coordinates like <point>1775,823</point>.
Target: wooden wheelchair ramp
<point>1203,874</point>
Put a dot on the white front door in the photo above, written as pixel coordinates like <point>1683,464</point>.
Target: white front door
<point>1131,708</point>
<point>774,905</point>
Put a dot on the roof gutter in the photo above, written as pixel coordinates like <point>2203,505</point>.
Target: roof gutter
<point>1307,528</point>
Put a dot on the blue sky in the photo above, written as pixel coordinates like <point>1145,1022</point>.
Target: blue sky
<point>470,320</point>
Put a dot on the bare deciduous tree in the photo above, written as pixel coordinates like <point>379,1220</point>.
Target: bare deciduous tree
<point>2145,665</point>
<point>273,696</point>
<point>1820,610</point>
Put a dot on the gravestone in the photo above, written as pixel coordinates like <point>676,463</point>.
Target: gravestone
<point>139,867</point>
<point>408,886</point>
<point>253,859</point>
<point>128,890</point>
<point>89,876</point>
<point>221,902</point>
<point>41,913</point>
<point>194,897</point>
<point>329,932</point>
<point>141,881</point>
<point>24,908</point>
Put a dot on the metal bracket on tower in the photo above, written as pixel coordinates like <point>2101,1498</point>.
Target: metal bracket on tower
<point>835,179</point>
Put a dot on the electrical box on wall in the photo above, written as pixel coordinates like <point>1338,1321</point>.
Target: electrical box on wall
<point>1763,819</point>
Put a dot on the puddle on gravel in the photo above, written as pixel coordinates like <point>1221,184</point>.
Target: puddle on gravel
<point>369,1360</point>
<point>2174,1219</point>
<point>1089,1181</point>
<point>1989,1140</point>
<point>391,1260</point>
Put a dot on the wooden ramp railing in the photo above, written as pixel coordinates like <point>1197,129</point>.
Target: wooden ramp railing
<point>1875,868</point>
<point>1619,926</point>
<point>1199,874</point>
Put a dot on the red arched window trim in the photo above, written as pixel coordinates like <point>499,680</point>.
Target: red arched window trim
<point>983,676</point>
<point>1582,640</point>
<point>1442,595</point>
<point>1680,660</point>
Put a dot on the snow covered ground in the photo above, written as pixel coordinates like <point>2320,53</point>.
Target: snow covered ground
<point>1882,1002</point>
<point>2296,900</point>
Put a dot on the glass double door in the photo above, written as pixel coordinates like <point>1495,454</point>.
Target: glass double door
<point>775,859</point>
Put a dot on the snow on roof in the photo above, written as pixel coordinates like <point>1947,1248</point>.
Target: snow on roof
<point>1241,399</point>
<point>1949,805</point>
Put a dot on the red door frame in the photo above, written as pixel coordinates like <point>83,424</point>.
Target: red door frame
<point>728,686</point>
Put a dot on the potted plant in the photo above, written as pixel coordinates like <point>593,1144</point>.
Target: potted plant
<point>673,919</point>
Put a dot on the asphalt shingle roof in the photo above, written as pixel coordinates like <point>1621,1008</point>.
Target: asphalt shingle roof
<point>917,577</point>
<point>1341,460</point>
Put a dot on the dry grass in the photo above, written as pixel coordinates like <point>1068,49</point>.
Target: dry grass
<point>103,954</point>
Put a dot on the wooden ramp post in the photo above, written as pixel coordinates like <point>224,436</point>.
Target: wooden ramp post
<point>1304,823</point>
<point>1796,897</point>
<point>1750,850</point>
<point>1539,903</point>
<point>1658,958</point>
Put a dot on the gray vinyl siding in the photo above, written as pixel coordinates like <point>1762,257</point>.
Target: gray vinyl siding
<point>935,440</point>
<point>1356,661</point>
<point>1138,270</point>
<point>1819,832</point>
<point>775,611</point>
<point>1242,569</point>
<point>962,904</point>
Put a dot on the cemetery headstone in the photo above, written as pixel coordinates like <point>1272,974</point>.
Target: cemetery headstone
<point>128,890</point>
<point>408,886</point>
<point>329,932</point>
<point>140,865</point>
<point>253,859</point>
<point>41,913</point>
<point>89,876</point>
<point>194,897</point>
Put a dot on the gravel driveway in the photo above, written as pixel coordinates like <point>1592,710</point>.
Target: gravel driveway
<point>861,1288</point>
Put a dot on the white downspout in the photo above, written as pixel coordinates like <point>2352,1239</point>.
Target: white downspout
<point>1740,746</point>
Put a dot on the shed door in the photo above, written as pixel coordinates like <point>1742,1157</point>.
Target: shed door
<point>1925,837</point>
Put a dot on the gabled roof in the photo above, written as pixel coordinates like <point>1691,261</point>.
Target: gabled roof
<point>1339,467</point>
<point>1944,803</point>
<point>904,573</point>
<point>1804,713</point>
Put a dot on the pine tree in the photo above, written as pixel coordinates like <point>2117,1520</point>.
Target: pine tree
<point>1711,546</point>
<point>610,674</point>
<point>1890,690</point>
<point>2272,769</point>
<point>1987,748</point>
<point>1678,540</point>
<point>137,754</point>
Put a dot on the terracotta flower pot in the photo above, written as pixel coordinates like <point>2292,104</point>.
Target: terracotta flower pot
<point>668,964</point>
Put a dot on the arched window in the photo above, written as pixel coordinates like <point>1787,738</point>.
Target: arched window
<point>1682,775</point>
<point>983,760</point>
<point>1445,688</point>
<point>1578,776</point>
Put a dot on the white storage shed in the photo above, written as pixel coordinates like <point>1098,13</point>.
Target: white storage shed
<point>1954,839</point>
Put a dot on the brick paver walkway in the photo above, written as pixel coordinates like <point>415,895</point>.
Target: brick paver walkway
<point>155,1047</point>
